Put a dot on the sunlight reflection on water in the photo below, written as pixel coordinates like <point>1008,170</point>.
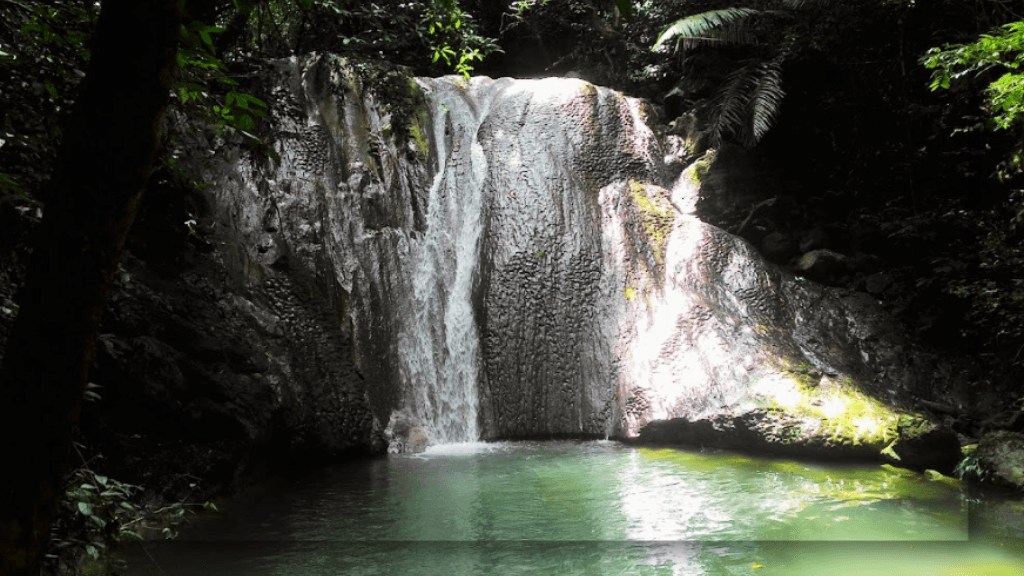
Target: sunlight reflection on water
<point>598,508</point>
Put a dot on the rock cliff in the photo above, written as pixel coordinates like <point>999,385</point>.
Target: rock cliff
<point>445,260</point>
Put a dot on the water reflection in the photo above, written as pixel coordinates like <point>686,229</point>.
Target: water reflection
<point>599,508</point>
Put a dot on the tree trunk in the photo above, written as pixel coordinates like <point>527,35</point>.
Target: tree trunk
<point>108,151</point>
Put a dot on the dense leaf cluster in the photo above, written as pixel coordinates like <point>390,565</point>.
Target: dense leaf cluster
<point>1001,53</point>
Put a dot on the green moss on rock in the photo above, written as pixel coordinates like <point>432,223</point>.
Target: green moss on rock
<point>697,171</point>
<point>844,415</point>
<point>656,216</point>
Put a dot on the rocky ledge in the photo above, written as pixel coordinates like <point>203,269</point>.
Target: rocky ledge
<point>832,421</point>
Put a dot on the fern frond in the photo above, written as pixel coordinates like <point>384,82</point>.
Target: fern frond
<point>766,101</point>
<point>748,102</point>
<point>725,25</point>
<point>731,102</point>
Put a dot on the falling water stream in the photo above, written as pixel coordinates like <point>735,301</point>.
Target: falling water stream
<point>592,508</point>
<point>440,344</point>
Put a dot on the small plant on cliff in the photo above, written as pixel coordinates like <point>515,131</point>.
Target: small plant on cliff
<point>970,467</point>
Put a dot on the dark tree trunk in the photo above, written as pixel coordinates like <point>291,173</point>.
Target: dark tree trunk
<point>106,158</point>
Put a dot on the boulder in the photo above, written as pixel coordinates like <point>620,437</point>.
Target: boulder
<point>923,444</point>
<point>877,283</point>
<point>759,431</point>
<point>823,266</point>
<point>777,247</point>
<point>1000,458</point>
<point>406,433</point>
<point>815,239</point>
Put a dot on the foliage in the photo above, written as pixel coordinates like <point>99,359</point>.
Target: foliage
<point>707,27</point>
<point>447,39</point>
<point>401,32</point>
<point>198,70</point>
<point>746,103</point>
<point>970,467</point>
<point>44,53</point>
<point>98,513</point>
<point>1000,51</point>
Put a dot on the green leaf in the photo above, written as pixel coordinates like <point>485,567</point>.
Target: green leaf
<point>244,122</point>
<point>85,508</point>
<point>92,551</point>
<point>101,479</point>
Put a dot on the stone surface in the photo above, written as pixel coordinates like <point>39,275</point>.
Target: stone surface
<point>1000,456</point>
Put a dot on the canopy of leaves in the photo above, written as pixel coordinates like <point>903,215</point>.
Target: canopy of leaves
<point>44,51</point>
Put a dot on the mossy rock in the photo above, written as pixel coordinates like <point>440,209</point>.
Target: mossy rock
<point>656,215</point>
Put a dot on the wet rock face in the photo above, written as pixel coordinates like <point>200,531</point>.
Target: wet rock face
<point>509,258</point>
<point>549,307</point>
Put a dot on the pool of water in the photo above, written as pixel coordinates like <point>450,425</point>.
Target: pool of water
<point>599,508</point>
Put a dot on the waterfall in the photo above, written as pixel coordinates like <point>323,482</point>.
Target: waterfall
<point>439,344</point>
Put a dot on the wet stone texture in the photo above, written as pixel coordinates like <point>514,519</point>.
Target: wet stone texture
<point>524,258</point>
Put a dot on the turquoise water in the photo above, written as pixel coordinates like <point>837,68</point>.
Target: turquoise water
<point>600,508</point>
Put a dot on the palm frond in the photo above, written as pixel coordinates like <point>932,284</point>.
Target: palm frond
<point>726,25</point>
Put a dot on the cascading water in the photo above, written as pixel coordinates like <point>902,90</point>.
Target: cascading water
<point>440,344</point>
